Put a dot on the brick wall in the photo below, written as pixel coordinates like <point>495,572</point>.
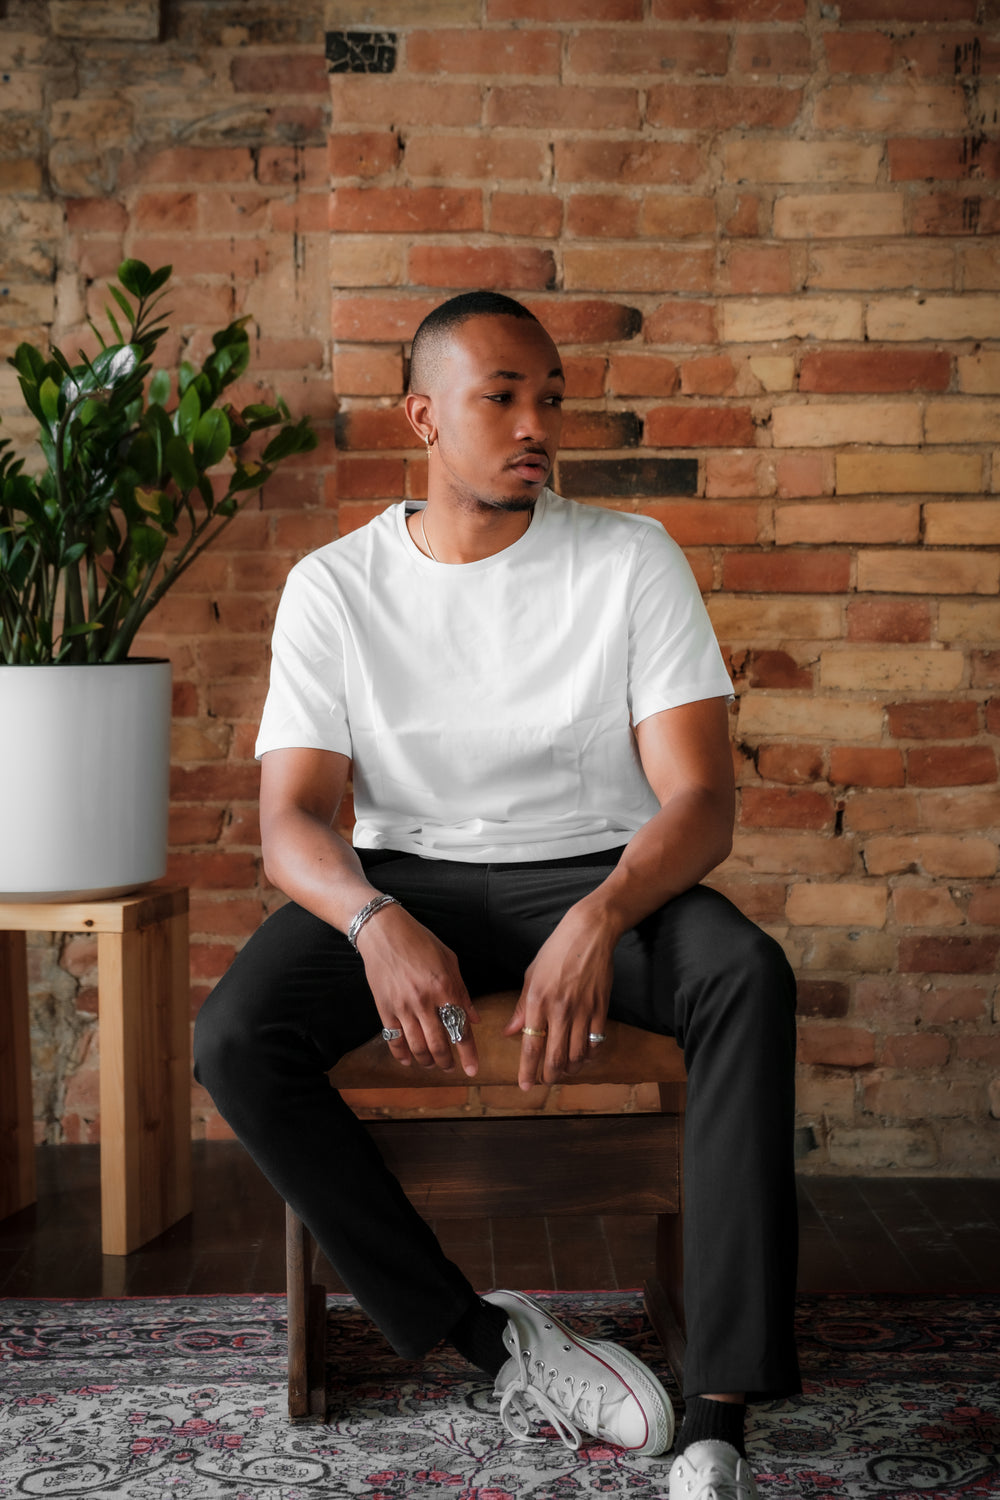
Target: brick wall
<point>764,233</point>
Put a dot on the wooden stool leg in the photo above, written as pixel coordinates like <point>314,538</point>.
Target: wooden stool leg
<point>306,1301</point>
<point>17,1141</point>
<point>145,1082</point>
<point>663,1294</point>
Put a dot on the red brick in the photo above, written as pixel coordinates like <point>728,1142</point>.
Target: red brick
<point>908,11</point>
<point>584,321</point>
<point>735,473</point>
<point>933,720</point>
<point>986,669</point>
<point>836,1046</point>
<point>300,122</point>
<point>927,1049</point>
<point>598,429</point>
<point>677,216</point>
<point>955,213</point>
<point>376,320</point>
<point>194,825</point>
<point>584,375</point>
<point>638,50</point>
<point>793,764</point>
<point>542,107</point>
<point>866,767</point>
<point>693,523</point>
<point>449,50</point>
<point>215,783</point>
<point>682,322</point>
<point>375,427</point>
<point>950,765</point>
<point>279,73</point>
<point>740,215</point>
<point>771,807</point>
<point>722,107</point>
<point>196,164</point>
<point>437,210</point>
<point>354,514</point>
<point>565,10</point>
<point>979,1049</point>
<point>201,256</point>
<point>483,156</point>
<point>637,269</point>
<point>913,159</point>
<point>602,215</point>
<point>536,214</point>
<point>214,870</point>
<point>363,153</point>
<point>641,375</point>
<point>96,216</point>
<point>306,213</point>
<point>798,475</point>
<point>516,266</point>
<point>772,52</point>
<point>984,906</point>
<point>859,52</point>
<point>787,572</point>
<point>755,269</point>
<point>776,669</point>
<point>173,212</point>
<point>951,54</point>
<point>289,166</point>
<point>743,11</point>
<point>210,960</point>
<point>712,375</point>
<point>875,370</point>
<point>948,955</point>
<point>700,427</point>
<point>993,716</point>
<point>625,163</point>
<point>822,997</point>
<point>888,620</point>
<point>302,531</point>
<point>381,99</point>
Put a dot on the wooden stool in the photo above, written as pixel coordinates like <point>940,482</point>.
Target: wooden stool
<point>144,1018</point>
<point>502,1166</point>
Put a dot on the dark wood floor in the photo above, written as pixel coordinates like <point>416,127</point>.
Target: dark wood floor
<point>878,1234</point>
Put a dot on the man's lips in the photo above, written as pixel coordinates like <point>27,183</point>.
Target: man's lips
<point>531,465</point>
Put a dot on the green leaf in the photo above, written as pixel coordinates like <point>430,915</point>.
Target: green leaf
<point>211,438</point>
<point>159,388</point>
<point>180,463</point>
<point>144,457</point>
<point>158,278</point>
<point>29,362</point>
<point>187,414</point>
<point>135,277</point>
<point>124,304</point>
<point>185,375</point>
<point>258,415</point>
<point>114,323</point>
<point>248,477</point>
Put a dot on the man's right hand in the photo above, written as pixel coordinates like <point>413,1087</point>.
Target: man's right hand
<point>411,975</point>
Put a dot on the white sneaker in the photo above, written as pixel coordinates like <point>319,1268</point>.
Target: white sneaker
<point>711,1471</point>
<point>579,1385</point>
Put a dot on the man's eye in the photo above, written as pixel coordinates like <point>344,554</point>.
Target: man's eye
<point>555,400</point>
<point>500,397</point>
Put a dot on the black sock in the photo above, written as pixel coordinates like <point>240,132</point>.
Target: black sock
<point>721,1421</point>
<point>478,1336</point>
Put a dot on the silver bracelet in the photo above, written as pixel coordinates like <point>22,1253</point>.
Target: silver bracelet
<point>374,905</point>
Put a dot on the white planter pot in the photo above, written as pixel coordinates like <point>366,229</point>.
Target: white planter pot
<point>85,778</point>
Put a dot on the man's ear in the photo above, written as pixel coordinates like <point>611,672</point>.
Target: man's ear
<point>420,416</point>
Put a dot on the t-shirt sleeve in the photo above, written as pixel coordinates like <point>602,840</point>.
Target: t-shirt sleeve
<point>674,657</point>
<point>305,708</point>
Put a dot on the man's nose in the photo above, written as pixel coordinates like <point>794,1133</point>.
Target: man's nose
<point>535,423</point>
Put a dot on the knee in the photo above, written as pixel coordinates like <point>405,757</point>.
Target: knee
<point>222,1032</point>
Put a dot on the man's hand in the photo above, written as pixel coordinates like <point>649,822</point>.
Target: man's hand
<point>565,996</point>
<point>411,975</point>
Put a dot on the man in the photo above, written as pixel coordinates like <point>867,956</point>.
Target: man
<point>534,706</point>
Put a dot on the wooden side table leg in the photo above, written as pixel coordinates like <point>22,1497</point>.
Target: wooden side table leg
<point>17,1141</point>
<point>145,1083</point>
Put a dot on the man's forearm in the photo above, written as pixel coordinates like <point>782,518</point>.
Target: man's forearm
<point>680,845</point>
<point>313,865</point>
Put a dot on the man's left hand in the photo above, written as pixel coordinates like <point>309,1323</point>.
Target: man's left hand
<point>563,1000</point>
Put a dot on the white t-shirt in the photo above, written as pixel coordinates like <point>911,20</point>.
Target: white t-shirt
<point>487,706</point>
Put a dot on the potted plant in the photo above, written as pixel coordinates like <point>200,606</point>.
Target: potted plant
<point>137,478</point>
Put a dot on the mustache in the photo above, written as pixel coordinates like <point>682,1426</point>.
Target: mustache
<point>535,451</point>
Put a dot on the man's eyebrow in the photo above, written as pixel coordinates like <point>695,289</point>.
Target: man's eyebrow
<point>556,374</point>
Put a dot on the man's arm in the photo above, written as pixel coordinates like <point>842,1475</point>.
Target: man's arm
<point>687,760</point>
<point>409,971</point>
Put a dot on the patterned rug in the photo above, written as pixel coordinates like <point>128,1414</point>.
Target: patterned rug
<point>151,1398</point>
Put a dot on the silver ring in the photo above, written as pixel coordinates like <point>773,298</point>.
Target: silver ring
<point>391,1034</point>
<point>453,1021</point>
<point>596,1038</point>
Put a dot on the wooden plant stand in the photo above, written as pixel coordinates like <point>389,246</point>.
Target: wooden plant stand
<point>498,1166</point>
<point>143,1014</point>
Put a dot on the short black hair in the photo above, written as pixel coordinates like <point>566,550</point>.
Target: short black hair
<point>435,328</point>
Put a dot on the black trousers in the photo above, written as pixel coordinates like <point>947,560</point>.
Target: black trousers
<point>296,999</point>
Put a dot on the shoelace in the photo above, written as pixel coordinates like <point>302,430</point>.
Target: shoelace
<point>715,1482</point>
<point>541,1388</point>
